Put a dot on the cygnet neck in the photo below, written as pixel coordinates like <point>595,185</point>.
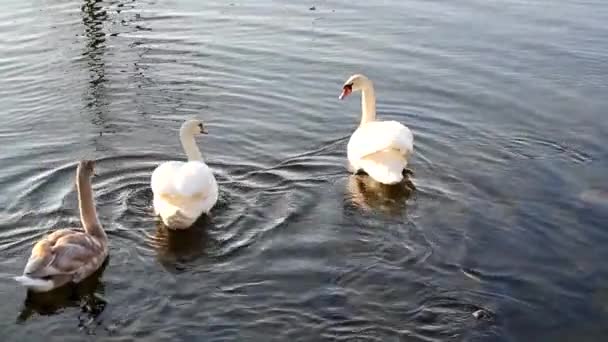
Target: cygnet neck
<point>86,204</point>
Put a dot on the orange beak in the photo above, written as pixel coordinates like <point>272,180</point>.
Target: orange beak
<point>346,90</point>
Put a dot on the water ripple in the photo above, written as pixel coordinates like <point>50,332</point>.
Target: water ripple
<point>507,121</point>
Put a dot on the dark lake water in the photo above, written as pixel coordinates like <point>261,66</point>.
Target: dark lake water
<point>507,100</point>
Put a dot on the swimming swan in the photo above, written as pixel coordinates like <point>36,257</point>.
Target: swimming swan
<point>69,255</point>
<point>184,190</point>
<point>379,148</point>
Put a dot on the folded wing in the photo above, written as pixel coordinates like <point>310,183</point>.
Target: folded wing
<point>193,178</point>
<point>63,252</point>
<point>378,136</point>
<point>163,175</point>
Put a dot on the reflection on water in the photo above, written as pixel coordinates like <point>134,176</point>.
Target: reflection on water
<point>370,195</point>
<point>88,295</point>
<point>93,17</point>
<point>176,248</point>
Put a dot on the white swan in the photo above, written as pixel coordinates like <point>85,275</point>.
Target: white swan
<point>184,190</point>
<point>379,148</point>
<point>68,255</point>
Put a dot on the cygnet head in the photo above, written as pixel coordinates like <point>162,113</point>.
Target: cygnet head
<point>354,83</point>
<point>193,127</point>
<point>86,168</point>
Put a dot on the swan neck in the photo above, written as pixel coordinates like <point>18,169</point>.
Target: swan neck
<point>189,144</point>
<point>368,104</point>
<point>86,204</point>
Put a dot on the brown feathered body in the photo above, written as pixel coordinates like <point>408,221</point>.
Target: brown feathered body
<point>69,255</point>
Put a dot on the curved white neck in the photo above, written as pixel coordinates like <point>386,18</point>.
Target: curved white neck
<point>368,104</point>
<point>189,145</point>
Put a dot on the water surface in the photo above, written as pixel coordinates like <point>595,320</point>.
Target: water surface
<point>507,101</point>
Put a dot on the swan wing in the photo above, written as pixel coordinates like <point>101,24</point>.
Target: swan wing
<point>182,192</point>
<point>194,178</point>
<point>385,166</point>
<point>182,179</point>
<point>63,252</point>
<point>377,136</point>
<point>162,177</point>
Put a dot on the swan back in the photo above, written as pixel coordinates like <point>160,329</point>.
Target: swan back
<point>182,178</point>
<point>63,256</point>
<point>377,136</point>
<point>182,192</point>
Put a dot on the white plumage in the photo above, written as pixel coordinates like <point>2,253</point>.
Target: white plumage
<point>183,191</point>
<point>380,148</point>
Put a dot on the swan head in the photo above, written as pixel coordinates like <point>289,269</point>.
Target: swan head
<point>356,82</point>
<point>193,127</point>
<point>86,168</point>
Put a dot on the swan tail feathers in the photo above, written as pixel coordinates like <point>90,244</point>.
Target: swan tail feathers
<point>35,284</point>
<point>385,167</point>
<point>384,175</point>
<point>178,220</point>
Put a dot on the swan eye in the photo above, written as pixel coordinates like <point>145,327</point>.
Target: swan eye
<point>348,86</point>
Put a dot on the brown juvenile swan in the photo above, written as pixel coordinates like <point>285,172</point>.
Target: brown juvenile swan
<point>69,255</point>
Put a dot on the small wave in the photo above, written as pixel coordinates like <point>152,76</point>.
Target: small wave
<point>530,147</point>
